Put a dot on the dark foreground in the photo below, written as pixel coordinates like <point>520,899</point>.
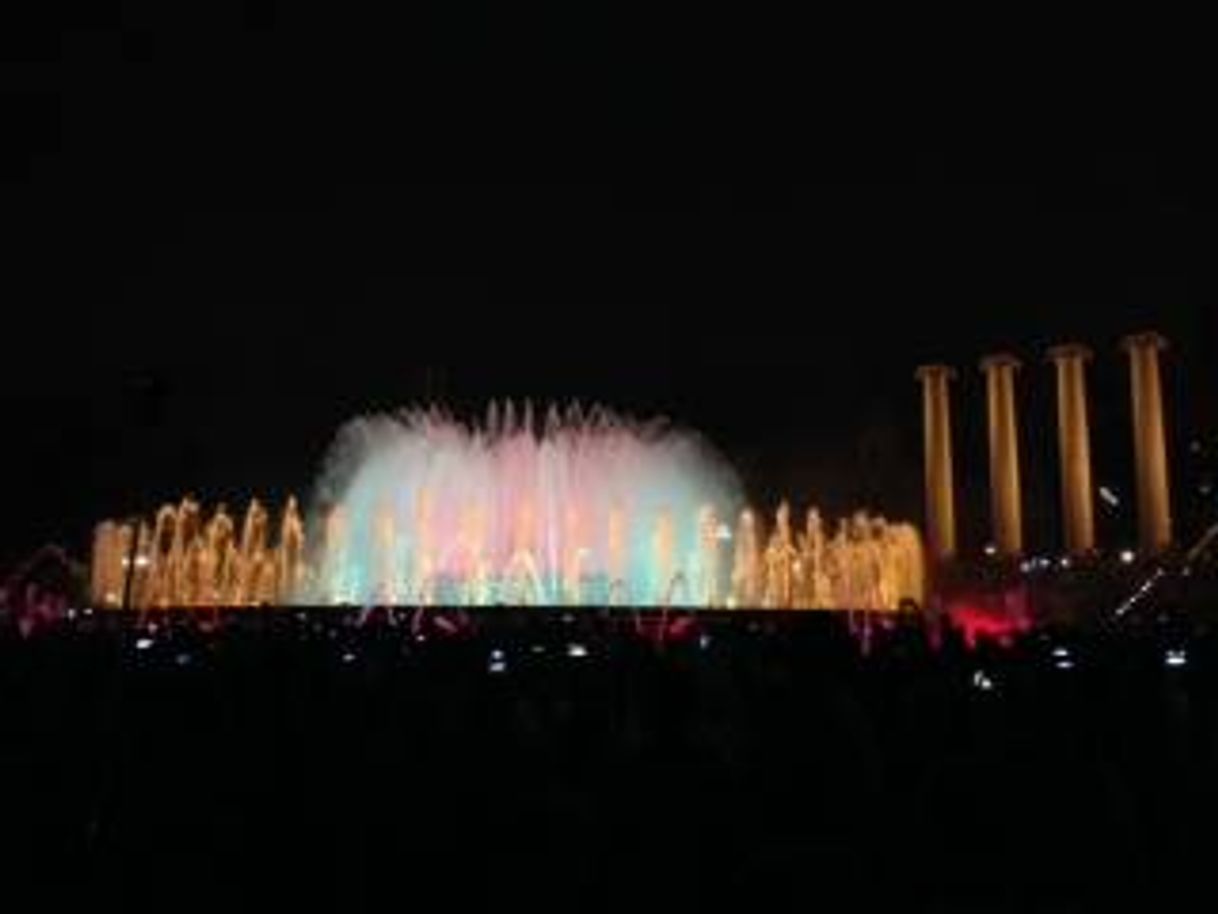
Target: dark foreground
<point>300,762</point>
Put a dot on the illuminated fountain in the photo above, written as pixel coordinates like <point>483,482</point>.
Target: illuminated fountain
<point>578,508</point>
<point>180,561</point>
<point>582,508</point>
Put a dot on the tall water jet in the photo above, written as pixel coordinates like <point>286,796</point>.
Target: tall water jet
<point>583,508</point>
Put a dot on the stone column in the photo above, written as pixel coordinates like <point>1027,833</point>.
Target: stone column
<point>1006,510</point>
<point>1149,442</point>
<point>1074,447</point>
<point>940,495</point>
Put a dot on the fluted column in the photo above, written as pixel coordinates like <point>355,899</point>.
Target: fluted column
<point>1006,510</point>
<point>937,428</point>
<point>1149,441</point>
<point>1074,447</point>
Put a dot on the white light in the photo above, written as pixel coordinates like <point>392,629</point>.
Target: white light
<point>1060,652</point>
<point>142,644</point>
<point>1109,496</point>
<point>991,549</point>
<point>704,641</point>
<point>1127,556</point>
<point>537,649</point>
<point>1176,658</point>
<point>497,666</point>
<point>496,654</point>
<point>1065,664</point>
<point>724,532</point>
<point>142,561</point>
<point>1065,561</point>
<point>348,657</point>
<point>982,681</point>
<point>576,650</point>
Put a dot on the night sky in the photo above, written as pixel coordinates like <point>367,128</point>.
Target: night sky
<point>229,229</point>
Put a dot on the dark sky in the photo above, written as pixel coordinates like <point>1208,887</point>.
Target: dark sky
<point>229,228</point>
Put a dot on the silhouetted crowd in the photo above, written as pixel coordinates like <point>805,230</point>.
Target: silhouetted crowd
<point>338,760</point>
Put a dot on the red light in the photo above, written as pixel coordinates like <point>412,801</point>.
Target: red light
<point>998,617</point>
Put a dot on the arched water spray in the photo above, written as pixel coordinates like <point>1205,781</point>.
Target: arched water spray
<point>678,585</point>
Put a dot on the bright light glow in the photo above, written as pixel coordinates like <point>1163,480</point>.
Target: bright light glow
<point>576,650</point>
<point>579,508</point>
<point>1176,658</point>
<point>142,644</point>
<point>573,507</point>
<point>982,681</point>
<point>1065,561</point>
<point>1065,664</point>
<point>1061,652</point>
<point>1109,496</point>
<point>991,549</point>
<point>1127,556</point>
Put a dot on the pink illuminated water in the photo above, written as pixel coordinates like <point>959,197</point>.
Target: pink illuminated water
<point>577,507</point>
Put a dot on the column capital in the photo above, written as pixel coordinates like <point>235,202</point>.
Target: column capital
<point>1145,340</point>
<point>1066,352</point>
<point>999,360</point>
<point>935,370</point>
